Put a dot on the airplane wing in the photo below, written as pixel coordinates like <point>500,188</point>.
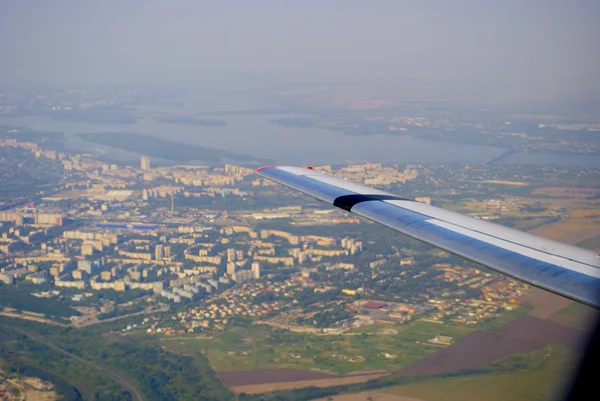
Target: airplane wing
<point>563,269</point>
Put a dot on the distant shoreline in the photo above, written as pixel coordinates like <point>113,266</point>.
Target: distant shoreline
<point>308,123</point>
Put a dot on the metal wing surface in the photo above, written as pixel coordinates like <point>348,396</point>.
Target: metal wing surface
<point>563,269</point>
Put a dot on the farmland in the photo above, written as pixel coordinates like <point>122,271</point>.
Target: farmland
<point>567,192</point>
<point>256,348</point>
<point>576,315</point>
<point>582,223</point>
<point>536,383</point>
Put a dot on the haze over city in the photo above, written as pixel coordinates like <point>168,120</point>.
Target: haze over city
<point>525,43</point>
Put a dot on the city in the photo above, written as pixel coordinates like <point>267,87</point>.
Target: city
<point>192,251</point>
<point>94,233</point>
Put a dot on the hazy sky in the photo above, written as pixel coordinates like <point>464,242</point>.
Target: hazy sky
<point>537,42</point>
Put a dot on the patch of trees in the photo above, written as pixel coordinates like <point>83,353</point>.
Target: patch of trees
<point>18,297</point>
<point>308,296</point>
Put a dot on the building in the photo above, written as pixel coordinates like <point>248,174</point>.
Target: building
<point>373,305</point>
<point>126,226</point>
<point>8,216</point>
<point>105,238</point>
<point>7,278</point>
<point>167,251</point>
<point>88,266</point>
<point>15,217</point>
<point>242,275</point>
<point>231,268</point>
<point>255,270</point>
<point>87,249</point>
<point>159,252</point>
<point>38,277</point>
<point>377,263</point>
<point>441,340</point>
<point>51,219</point>
<point>59,282</point>
<point>231,255</point>
<point>406,261</point>
<point>145,163</point>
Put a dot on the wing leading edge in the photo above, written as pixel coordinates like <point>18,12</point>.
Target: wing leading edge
<point>563,269</point>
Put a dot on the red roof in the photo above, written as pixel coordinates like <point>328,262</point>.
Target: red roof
<point>373,305</point>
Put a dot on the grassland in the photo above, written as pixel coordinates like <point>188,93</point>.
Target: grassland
<point>532,223</point>
<point>571,231</point>
<point>583,215</point>
<point>507,316</point>
<point>542,381</point>
<point>592,243</point>
<point>576,315</point>
<point>260,348</point>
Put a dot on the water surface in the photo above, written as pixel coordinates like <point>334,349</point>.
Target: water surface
<point>254,135</point>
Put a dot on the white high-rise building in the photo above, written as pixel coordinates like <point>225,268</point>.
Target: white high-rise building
<point>255,270</point>
<point>231,268</point>
<point>145,163</point>
<point>231,255</point>
<point>158,252</point>
<point>242,275</point>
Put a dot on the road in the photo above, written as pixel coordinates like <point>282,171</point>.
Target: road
<point>112,373</point>
<point>163,308</point>
<point>32,318</point>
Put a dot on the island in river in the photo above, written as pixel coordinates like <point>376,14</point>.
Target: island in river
<point>162,148</point>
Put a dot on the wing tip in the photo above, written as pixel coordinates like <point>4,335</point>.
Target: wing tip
<point>258,170</point>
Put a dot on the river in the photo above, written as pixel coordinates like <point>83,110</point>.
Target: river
<point>254,135</point>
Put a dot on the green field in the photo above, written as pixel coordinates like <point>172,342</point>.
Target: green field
<point>576,315</point>
<point>506,317</point>
<point>260,347</point>
<point>540,382</point>
<point>590,243</point>
<point>532,223</point>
